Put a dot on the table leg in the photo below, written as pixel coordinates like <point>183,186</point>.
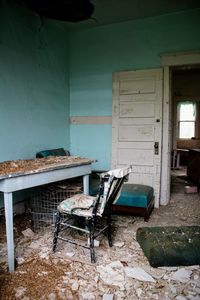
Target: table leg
<point>86,184</point>
<point>8,204</point>
<point>174,159</point>
<point>178,160</point>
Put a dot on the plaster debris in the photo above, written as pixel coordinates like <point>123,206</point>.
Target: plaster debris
<point>75,286</point>
<point>172,288</point>
<point>20,260</point>
<point>35,245</point>
<point>20,292</point>
<point>70,254</point>
<point>138,273</point>
<point>96,243</point>
<point>182,275</point>
<point>44,253</point>
<point>108,297</point>
<point>88,296</point>
<point>28,233</point>
<point>52,296</point>
<point>119,244</point>
<point>139,292</point>
<point>8,168</point>
<point>112,273</point>
<point>196,277</point>
<point>192,267</point>
<point>156,273</point>
<point>180,298</point>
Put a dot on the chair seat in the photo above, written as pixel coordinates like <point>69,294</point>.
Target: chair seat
<point>80,205</point>
<point>137,195</point>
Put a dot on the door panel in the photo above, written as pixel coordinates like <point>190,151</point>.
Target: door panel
<point>139,86</point>
<point>137,157</point>
<point>136,97</point>
<point>136,122</point>
<point>140,109</point>
<point>137,178</point>
<point>136,132</point>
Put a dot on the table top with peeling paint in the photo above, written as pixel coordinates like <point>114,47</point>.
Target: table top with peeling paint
<point>20,167</point>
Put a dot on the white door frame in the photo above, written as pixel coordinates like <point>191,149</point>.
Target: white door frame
<point>169,60</point>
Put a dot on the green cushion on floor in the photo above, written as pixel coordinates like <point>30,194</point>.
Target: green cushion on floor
<point>170,246</point>
<point>132,194</point>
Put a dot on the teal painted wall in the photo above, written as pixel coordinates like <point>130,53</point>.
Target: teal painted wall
<point>45,75</point>
<point>34,92</point>
<point>97,52</point>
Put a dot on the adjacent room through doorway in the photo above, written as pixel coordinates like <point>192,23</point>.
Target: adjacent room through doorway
<point>185,126</point>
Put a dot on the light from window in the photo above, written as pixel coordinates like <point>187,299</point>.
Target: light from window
<point>187,119</point>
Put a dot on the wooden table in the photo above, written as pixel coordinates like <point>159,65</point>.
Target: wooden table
<point>176,157</point>
<point>22,174</point>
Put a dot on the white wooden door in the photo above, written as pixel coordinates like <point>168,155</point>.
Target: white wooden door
<point>137,125</point>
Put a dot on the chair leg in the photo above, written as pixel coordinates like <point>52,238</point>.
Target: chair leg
<point>56,230</point>
<point>109,234</point>
<point>91,238</point>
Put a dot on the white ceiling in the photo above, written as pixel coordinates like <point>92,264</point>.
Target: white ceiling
<point>114,11</point>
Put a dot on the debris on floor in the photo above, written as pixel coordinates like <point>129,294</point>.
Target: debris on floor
<point>190,189</point>
<point>121,272</point>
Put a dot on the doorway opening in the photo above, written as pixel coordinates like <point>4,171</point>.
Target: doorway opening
<point>185,125</point>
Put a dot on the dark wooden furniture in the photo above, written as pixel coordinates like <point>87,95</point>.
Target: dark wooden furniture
<point>134,210</point>
<point>193,169</point>
<point>135,199</point>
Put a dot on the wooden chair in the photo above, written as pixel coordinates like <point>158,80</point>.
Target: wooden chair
<point>88,214</point>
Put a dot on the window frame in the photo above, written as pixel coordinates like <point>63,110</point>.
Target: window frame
<point>195,101</point>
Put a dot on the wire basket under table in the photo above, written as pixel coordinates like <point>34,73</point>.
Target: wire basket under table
<point>44,202</point>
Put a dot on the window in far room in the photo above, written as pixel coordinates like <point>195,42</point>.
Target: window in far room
<point>187,119</point>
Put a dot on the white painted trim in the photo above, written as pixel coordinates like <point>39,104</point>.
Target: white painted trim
<point>169,60</point>
<point>76,120</point>
<point>166,140</point>
<point>180,58</point>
